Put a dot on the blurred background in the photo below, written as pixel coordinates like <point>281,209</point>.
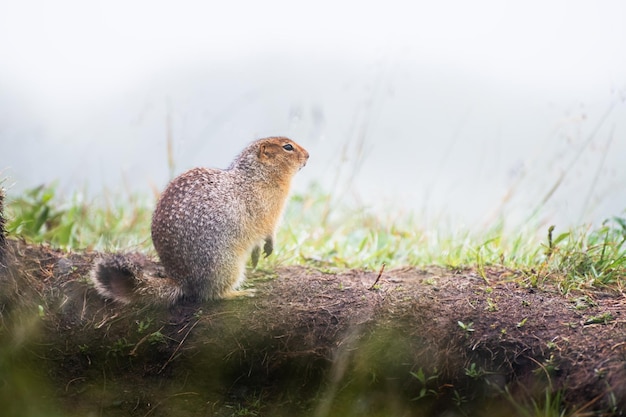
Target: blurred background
<point>458,112</point>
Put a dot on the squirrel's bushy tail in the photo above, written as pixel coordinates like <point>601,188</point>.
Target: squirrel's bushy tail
<point>123,278</point>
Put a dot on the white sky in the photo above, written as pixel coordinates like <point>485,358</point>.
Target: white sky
<point>71,51</point>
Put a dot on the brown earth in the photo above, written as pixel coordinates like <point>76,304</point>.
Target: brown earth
<point>422,341</point>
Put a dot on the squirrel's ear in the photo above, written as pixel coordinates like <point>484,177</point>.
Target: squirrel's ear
<point>261,151</point>
<point>266,151</point>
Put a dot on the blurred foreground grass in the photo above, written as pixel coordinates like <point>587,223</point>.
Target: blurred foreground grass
<point>317,231</point>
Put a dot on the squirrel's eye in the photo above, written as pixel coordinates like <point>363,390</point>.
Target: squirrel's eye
<point>288,147</point>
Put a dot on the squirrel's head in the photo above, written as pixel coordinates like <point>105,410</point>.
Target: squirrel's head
<point>281,151</point>
<point>275,156</point>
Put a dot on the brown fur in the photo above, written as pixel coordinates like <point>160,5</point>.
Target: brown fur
<point>206,225</point>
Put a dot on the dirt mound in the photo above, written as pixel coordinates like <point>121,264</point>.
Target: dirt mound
<point>418,342</point>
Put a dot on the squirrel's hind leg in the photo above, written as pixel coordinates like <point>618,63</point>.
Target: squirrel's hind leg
<point>234,290</point>
<point>236,294</point>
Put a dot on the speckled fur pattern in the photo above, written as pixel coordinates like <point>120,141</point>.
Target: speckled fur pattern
<point>208,222</point>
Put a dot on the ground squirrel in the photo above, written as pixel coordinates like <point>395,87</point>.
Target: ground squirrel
<point>206,225</point>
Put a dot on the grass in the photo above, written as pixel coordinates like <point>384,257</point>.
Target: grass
<point>39,215</point>
<point>590,257</point>
<point>580,258</point>
<point>317,232</point>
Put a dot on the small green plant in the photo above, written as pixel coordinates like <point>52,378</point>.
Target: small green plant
<point>549,366</point>
<point>430,281</point>
<point>491,305</point>
<point>458,399</point>
<point>156,338</point>
<point>428,383</point>
<point>469,327</point>
<point>474,371</point>
<point>603,318</point>
<point>584,302</point>
<point>119,348</point>
<point>142,326</point>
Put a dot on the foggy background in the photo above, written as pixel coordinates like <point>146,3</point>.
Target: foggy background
<point>460,112</point>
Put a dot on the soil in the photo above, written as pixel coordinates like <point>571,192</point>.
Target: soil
<point>312,342</point>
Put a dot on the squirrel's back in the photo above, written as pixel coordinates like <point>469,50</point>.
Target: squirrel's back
<point>208,222</point>
<point>199,219</point>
